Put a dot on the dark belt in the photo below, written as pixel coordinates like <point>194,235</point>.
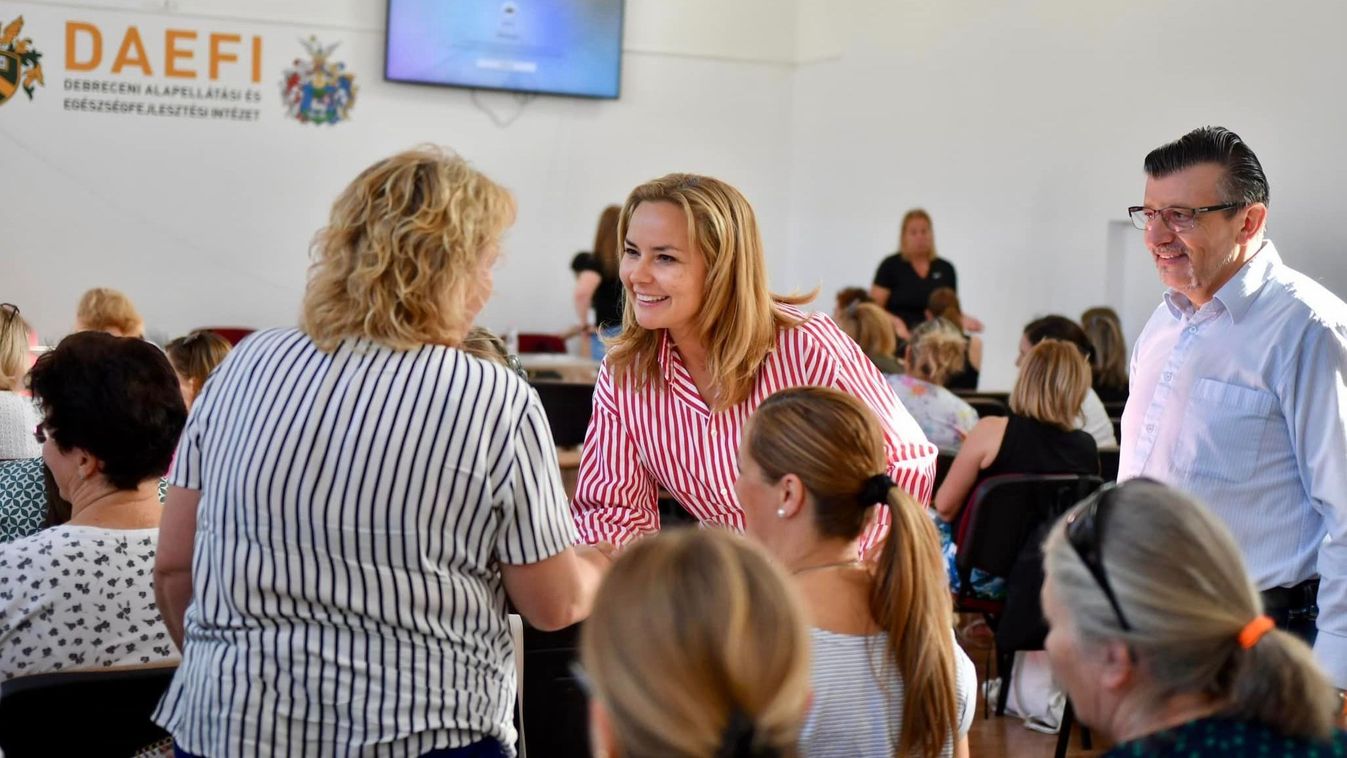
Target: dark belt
<point>1302,595</point>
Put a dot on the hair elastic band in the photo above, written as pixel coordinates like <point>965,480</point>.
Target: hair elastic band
<point>875,490</point>
<point>1254,631</point>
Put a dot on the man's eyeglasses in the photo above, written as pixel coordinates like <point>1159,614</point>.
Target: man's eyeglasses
<point>1177,219</point>
<point>1085,532</point>
<point>11,312</point>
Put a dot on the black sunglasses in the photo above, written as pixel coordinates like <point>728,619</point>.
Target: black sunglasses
<point>1085,532</point>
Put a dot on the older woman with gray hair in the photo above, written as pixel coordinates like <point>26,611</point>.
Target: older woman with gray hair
<point>1159,636</point>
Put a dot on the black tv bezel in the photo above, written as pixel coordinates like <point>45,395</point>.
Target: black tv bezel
<point>621,55</point>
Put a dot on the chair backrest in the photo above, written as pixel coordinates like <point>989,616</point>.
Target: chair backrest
<point>1108,464</point>
<point>987,406</point>
<point>23,498</point>
<point>111,708</point>
<point>541,343</point>
<point>232,334</point>
<point>568,406</point>
<point>1005,510</point>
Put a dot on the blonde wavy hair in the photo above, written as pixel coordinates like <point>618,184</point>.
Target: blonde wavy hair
<point>1053,380</point>
<point>107,310</point>
<point>691,629</point>
<point>834,444</point>
<point>13,348</point>
<point>1182,585</point>
<point>739,316</point>
<point>403,251</point>
<point>936,351</point>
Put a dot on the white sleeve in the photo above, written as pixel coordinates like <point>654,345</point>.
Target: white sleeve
<point>967,687</point>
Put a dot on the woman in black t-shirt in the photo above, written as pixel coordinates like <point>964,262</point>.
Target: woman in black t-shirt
<point>597,286</point>
<point>906,279</point>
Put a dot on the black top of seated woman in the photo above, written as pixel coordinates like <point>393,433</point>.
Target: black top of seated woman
<point>1033,447</point>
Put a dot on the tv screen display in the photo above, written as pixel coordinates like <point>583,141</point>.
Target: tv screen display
<point>557,47</point>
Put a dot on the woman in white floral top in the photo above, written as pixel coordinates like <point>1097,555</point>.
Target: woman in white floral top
<point>935,353</point>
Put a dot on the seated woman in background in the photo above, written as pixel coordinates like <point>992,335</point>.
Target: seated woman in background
<point>1111,358</point>
<point>597,285</point>
<point>696,648</point>
<point>848,295</point>
<point>194,357</point>
<point>867,324</point>
<point>935,352</point>
<point>704,342</point>
<point>1092,417</point>
<point>944,304</point>
<point>107,310</point>
<point>1158,635</point>
<point>888,678</point>
<point>80,595</point>
<point>362,482</point>
<point>1038,437</point>
<point>18,414</point>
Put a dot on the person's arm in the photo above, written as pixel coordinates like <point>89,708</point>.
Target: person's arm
<point>972,324</point>
<point>556,592</point>
<point>882,289</point>
<point>616,497</point>
<point>1314,402</point>
<point>978,450</point>
<point>975,352</point>
<point>173,559</point>
<point>586,284</point>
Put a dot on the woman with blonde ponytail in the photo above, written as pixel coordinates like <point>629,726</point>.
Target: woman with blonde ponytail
<point>888,679</point>
<point>1159,636</point>
<point>934,354</point>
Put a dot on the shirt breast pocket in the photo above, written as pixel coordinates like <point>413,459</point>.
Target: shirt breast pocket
<point>1222,432</point>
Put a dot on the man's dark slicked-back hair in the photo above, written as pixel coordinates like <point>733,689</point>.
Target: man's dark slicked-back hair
<point>1244,181</point>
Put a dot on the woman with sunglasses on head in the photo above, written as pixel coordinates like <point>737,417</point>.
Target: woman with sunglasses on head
<point>888,679</point>
<point>696,648</point>
<point>704,341</point>
<point>18,414</point>
<point>1158,635</point>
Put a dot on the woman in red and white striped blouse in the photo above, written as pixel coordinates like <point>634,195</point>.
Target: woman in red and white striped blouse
<point>704,342</point>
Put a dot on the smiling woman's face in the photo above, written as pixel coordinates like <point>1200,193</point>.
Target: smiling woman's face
<point>664,277</point>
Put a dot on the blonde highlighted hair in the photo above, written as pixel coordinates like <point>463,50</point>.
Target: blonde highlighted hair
<point>13,347</point>
<point>869,326</point>
<point>739,317</point>
<point>606,242</point>
<point>690,630</point>
<point>403,250</point>
<point>1182,585</point>
<point>834,444</point>
<point>1051,387</point>
<point>936,351</point>
<point>107,310</point>
<point>1104,329</point>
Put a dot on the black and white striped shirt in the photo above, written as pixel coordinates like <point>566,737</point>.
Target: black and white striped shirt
<point>355,507</point>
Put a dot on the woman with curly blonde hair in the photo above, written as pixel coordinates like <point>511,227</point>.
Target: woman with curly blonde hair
<point>107,310</point>
<point>704,341</point>
<point>353,501</point>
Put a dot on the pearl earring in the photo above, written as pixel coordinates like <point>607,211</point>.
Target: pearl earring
<point>780,512</point>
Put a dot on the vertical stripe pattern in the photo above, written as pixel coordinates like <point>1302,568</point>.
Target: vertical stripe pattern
<point>667,436</point>
<point>355,507</point>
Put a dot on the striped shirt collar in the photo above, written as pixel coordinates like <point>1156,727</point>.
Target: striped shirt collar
<point>1237,295</point>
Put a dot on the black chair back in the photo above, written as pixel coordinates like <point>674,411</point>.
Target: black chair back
<point>1005,510</point>
<point>568,406</point>
<point>1108,464</point>
<point>988,406</point>
<point>111,708</point>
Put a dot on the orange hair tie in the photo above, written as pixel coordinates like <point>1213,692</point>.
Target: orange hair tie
<point>1254,631</point>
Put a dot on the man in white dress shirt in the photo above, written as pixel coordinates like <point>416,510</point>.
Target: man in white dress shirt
<point>1239,384</point>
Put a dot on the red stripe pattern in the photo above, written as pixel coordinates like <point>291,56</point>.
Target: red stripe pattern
<point>638,441</point>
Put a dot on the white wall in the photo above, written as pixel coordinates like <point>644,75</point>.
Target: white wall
<point>1020,125</point>
<point>208,223</point>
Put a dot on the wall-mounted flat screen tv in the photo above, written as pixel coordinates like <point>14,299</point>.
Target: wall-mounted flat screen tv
<point>554,47</point>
